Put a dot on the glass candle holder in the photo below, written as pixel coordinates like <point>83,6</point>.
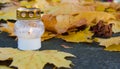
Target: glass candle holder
<point>29,28</point>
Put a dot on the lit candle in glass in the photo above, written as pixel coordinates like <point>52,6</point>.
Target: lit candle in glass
<point>29,28</point>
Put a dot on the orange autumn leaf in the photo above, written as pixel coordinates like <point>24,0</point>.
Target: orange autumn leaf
<point>9,27</point>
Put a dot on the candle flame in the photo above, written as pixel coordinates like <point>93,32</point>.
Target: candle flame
<point>31,30</point>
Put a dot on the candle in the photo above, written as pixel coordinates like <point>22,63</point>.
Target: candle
<point>29,28</point>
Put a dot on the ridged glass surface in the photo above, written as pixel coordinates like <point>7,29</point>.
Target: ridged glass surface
<point>29,29</point>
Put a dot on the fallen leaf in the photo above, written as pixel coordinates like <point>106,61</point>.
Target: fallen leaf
<point>42,4</point>
<point>81,36</point>
<point>27,4</point>
<point>100,8</point>
<point>3,29</point>
<point>65,46</point>
<point>5,1</point>
<point>108,42</point>
<point>7,53</point>
<point>4,67</point>
<point>9,27</point>
<point>62,22</point>
<point>113,48</point>
<point>70,7</point>
<point>35,59</point>
<point>102,30</point>
<point>47,35</point>
<point>8,12</point>
<point>116,26</point>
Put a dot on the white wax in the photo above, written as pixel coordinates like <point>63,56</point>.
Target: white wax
<point>29,44</point>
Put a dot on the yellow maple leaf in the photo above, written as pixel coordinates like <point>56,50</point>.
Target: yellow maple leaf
<point>42,4</point>
<point>100,8</point>
<point>113,48</point>
<point>108,42</point>
<point>47,35</point>
<point>4,67</point>
<point>8,13</point>
<point>89,0</point>
<point>56,0</point>
<point>90,16</point>
<point>5,1</point>
<point>27,4</point>
<point>36,59</point>
<point>45,5</point>
<point>9,27</point>
<point>81,36</point>
<point>7,53</point>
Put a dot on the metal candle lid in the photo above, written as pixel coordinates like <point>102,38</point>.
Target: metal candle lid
<point>28,13</point>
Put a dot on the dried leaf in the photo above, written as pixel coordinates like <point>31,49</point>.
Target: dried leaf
<point>8,12</point>
<point>9,27</point>
<point>70,7</point>
<point>35,59</point>
<point>61,23</point>
<point>47,35</point>
<point>7,53</point>
<point>5,1</point>
<point>81,36</point>
<point>108,42</point>
<point>3,29</point>
<point>27,4</point>
<point>116,26</point>
<point>113,48</point>
<point>65,46</point>
<point>102,30</point>
<point>42,4</point>
<point>4,67</point>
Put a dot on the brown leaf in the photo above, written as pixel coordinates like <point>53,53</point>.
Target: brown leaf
<point>65,46</point>
<point>102,30</point>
